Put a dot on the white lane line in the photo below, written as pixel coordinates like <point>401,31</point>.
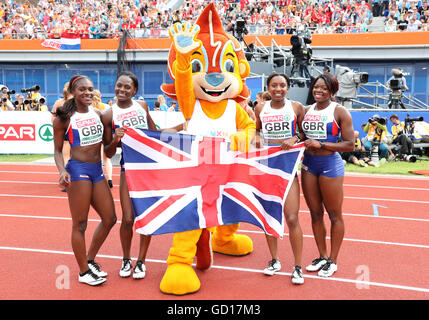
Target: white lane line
<point>353,281</point>
<point>240,230</point>
<point>384,187</point>
<point>355,240</point>
<point>346,197</point>
<point>346,185</point>
<point>38,172</point>
<point>36,196</point>
<point>29,182</point>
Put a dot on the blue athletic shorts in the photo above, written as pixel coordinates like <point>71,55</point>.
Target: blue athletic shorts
<point>330,166</point>
<point>85,171</point>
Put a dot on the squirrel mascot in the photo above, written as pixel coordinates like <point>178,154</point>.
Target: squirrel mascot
<point>209,68</point>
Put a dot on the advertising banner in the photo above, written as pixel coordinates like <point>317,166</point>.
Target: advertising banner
<point>26,132</point>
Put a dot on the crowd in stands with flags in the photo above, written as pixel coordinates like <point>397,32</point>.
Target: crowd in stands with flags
<point>98,19</point>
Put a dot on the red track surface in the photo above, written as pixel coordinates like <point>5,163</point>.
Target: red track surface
<point>388,252</point>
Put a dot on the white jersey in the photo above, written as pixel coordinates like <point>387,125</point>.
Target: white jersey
<point>84,129</point>
<point>224,126</point>
<point>278,123</point>
<point>135,116</point>
<point>321,124</point>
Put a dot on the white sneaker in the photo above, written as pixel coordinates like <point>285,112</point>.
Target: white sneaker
<point>126,268</point>
<point>316,264</point>
<point>328,269</point>
<point>139,270</point>
<point>91,278</point>
<point>94,266</point>
<point>273,266</point>
<point>297,276</point>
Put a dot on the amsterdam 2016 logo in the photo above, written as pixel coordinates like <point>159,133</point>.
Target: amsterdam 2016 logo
<point>46,132</point>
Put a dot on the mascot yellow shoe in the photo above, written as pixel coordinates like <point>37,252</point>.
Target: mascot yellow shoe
<point>180,278</point>
<point>208,67</point>
<point>226,241</point>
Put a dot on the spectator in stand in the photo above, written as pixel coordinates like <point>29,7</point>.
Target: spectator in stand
<point>402,23</point>
<point>162,105</point>
<point>376,8</point>
<point>413,25</point>
<point>48,19</point>
<point>390,25</point>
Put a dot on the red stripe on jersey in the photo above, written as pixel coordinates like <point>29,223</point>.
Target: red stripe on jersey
<point>334,129</point>
<point>70,133</point>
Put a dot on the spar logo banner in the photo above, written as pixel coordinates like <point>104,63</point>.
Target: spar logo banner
<point>26,132</point>
<point>17,132</point>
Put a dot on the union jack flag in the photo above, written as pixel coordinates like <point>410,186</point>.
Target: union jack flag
<point>180,182</point>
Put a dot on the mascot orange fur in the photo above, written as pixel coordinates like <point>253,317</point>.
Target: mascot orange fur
<point>209,68</point>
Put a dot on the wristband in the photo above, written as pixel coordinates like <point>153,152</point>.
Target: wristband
<point>322,145</point>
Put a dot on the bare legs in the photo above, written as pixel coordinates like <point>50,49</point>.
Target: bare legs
<point>126,229</point>
<point>81,195</point>
<point>320,192</point>
<point>291,209</point>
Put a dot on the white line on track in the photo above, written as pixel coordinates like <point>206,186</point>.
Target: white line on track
<point>40,172</point>
<point>241,230</point>
<point>346,197</point>
<point>29,182</point>
<point>384,199</point>
<point>346,185</point>
<point>382,187</point>
<point>353,281</point>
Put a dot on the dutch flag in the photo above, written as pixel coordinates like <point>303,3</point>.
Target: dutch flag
<point>70,41</point>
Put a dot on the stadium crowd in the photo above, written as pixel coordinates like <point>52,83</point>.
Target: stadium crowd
<point>94,19</point>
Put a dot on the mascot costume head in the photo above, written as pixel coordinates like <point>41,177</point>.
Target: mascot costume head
<point>208,67</point>
<point>219,65</point>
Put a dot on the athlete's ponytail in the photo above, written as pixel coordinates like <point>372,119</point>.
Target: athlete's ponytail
<point>67,110</point>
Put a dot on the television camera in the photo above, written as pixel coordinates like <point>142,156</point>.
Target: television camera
<point>240,28</point>
<point>302,53</point>
<point>348,82</point>
<point>397,86</point>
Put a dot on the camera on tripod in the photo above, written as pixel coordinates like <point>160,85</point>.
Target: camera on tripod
<point>240,28</point>
<point>348,82</point>
<point>300,48</point>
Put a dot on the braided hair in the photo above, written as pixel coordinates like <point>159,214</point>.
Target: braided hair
<point>69,107</point>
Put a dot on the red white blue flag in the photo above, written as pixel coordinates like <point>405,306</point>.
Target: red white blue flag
<point>68,41</point>
<point>180,182</point>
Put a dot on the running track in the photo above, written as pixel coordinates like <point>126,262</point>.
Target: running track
<point>385,253</point>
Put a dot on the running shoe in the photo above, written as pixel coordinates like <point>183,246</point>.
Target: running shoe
<point>139,270</point>
<point>297,276</point>
<point>126,268</point>
<point>95,267</point>
<point>328,269</point>
<point>91,278</point>
<point>273,266</point>
<point>362,163</point>
<point>316,264</point>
